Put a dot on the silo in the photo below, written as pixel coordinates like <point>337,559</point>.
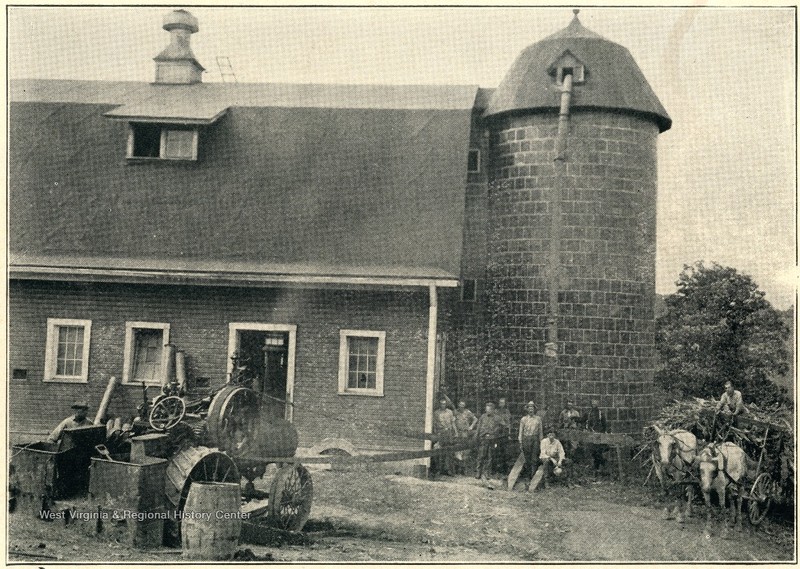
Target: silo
<point>572,236</point>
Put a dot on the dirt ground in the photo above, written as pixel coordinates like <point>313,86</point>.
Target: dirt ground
<point>363,515</point>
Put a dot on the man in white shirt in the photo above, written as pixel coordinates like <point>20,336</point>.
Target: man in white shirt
<point>551,455</point>
<point>731,401</point>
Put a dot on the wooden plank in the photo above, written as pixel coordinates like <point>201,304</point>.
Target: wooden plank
<point>611,439</point>
<point>515,470</point>
<point>363,458</point>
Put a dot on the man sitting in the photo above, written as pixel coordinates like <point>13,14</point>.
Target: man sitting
<point>552,457</point>
<point>729,408</point>
<point>731,401</point>
<point>78,419</point>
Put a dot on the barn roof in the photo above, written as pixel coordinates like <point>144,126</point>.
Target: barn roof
<point>299,179</point>
<point>613,79</point>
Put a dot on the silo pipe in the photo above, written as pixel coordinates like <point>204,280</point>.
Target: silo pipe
<point>554,260</point>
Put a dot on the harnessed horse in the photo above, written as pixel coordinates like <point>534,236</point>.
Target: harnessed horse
<point>722,466</point>
<point>677,450</point>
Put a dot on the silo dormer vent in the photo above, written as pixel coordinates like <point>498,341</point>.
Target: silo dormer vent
<point>567,64</point>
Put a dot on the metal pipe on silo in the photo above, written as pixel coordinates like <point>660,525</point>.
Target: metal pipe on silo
<point>554,258</point>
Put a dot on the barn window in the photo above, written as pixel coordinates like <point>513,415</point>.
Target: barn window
<point>67,350</point>
<point>144,343</point>
<point>361,355</point>
<point>164,142</point>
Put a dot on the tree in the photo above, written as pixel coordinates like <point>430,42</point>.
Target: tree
<point>717,327</point>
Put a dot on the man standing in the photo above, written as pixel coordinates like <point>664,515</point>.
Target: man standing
<point>444,427</point>
<point>489,429</point>
<point>465,423</point>
<point>78,419</point>
<point>530,436</point>
<point>501,455</point>
<point>595,421</point>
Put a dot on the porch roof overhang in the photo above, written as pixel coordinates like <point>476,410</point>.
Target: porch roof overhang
<point>221,273</point>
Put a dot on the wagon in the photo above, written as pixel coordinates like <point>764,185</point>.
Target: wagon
<point>763,443</point>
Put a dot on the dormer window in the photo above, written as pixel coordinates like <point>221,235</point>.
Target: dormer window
<point>164,142</point>
<point>567,64</point>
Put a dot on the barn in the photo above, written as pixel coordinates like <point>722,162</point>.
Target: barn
<point>363,247</point>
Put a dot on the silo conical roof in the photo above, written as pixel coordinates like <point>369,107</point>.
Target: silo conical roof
<point>612,79</point>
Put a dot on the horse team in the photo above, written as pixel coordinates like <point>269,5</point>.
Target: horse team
<point>721,467</point>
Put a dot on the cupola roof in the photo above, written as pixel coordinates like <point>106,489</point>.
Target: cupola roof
<point>605,76</point>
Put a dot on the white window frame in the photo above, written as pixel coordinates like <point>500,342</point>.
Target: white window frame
<point>51,350</point>
<point>162,144</point>
<point>129,353</point>
<point>344,360</point>
<point>233,345</point>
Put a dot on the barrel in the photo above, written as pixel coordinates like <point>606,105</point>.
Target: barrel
<point>211,524</point>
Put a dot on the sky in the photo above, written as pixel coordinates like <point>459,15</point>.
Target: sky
<point>727,168</point>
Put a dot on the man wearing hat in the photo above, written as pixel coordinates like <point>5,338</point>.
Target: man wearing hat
<point>530,434</point>
<point>78,419</point>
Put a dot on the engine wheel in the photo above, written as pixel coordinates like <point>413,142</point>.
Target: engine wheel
<point>290,497</point>
<point>232,418</point>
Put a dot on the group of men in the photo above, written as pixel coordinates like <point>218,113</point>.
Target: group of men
<point>492,433</point>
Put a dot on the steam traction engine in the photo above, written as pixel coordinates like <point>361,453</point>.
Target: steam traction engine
<point>223,438</point>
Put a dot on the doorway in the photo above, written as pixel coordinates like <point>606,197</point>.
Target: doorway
<point>268,352</point>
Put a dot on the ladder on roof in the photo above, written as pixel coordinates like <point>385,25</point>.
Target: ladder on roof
<point>226,69</point>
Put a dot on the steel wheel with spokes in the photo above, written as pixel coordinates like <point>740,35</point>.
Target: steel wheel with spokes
<point>760,499</point>
<point>290,497</point>
<point>167,412</point>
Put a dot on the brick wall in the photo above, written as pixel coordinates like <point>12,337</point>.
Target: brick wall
<point>464,368</point>
<point>199,318</point>
<point>607,257</point>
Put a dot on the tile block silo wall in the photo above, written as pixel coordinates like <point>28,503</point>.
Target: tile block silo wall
<point>607,254</point>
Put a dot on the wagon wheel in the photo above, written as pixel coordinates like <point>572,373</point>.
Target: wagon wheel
<point>760,499</point>
<point>232,418</point>
<point>167,412</point>
<point>290,497</point>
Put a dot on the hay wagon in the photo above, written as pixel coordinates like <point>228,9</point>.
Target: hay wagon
<point>763,442</point>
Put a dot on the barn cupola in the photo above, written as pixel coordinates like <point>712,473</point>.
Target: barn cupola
<point>604,73</point>
<point>177,64</point>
